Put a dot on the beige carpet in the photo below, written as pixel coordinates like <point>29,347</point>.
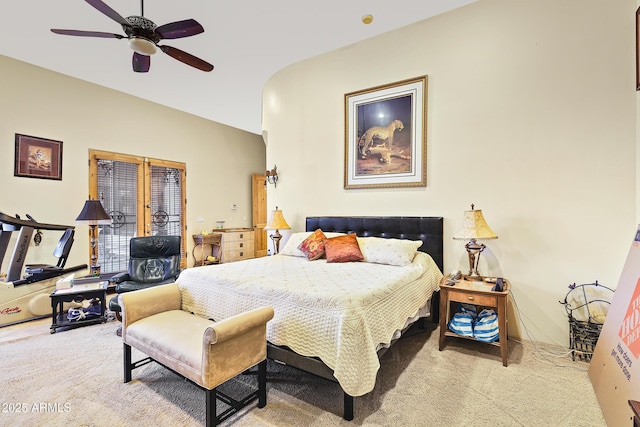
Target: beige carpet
<point>74,378</point>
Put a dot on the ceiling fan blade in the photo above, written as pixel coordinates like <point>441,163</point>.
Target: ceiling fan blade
<point>141,63</point>
<point>102,7</point>
<point>179,29</point>
<point>187,58</point>
<point>87,33</point>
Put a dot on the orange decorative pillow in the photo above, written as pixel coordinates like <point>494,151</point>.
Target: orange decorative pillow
<point>342,249</point>
<point>313,246</point>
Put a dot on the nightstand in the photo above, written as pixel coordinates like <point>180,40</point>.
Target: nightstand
<point>478,293</point>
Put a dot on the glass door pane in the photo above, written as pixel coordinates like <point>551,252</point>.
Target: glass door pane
<point>142,196</point>
<point>117,190</point>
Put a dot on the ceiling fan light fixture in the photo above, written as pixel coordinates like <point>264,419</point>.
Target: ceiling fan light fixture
<point>142,46</point>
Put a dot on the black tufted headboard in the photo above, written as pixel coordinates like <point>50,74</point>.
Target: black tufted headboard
<point>427,229</point>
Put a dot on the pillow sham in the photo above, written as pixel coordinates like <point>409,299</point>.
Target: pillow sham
<point>313,246</point>
<point>398,252</point>
<point>291,247</point>
<point>342,249</point>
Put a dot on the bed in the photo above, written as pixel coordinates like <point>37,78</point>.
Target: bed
<point>336,329</point>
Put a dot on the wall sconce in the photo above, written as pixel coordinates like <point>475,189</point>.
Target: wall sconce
<point>272,176</point>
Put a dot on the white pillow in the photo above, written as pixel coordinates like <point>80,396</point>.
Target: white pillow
<point>388,251</point>
<point>291,247</point>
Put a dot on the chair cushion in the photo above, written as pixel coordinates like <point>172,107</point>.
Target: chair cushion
<point>177,326</point>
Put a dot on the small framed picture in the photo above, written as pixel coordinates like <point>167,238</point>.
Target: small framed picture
<point>38,157</point>
<point>385,136</point>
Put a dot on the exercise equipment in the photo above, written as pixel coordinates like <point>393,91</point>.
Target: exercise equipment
<point>25,296</point>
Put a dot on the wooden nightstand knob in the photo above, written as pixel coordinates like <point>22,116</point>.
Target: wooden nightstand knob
<point>470,298</point>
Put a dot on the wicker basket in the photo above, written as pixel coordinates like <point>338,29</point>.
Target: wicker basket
<point>587,306</point>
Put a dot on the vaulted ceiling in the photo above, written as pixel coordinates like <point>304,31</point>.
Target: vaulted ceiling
<point>247,41</point>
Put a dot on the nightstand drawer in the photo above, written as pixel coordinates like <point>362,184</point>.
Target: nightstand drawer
<point>233,256</point>
<point>237,244</point>
<point>476,299</point>
<point>237,236</point>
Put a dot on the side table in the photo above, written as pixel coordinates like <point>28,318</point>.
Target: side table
<point>206,245</point>
<point>478,293</point>
<point>77,293</point>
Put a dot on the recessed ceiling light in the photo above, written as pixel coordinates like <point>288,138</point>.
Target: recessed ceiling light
<point>367,19</point>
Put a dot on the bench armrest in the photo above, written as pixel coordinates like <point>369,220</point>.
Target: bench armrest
<point>234,344</point>
<point>237,325</point>
<point>143,303</point>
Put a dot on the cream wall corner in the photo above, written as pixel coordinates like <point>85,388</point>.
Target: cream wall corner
<point>220,159</point>
<point>531,116</point>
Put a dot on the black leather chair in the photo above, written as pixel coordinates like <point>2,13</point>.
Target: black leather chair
<point>154,260</point>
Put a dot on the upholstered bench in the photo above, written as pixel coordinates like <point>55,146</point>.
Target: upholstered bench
<point>205,352</point>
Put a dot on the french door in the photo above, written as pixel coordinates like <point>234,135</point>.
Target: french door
<point>143,196</point>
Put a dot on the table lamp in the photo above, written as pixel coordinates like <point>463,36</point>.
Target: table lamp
<point>93,214</point>
<point>277,223</point>
<point>474,227</point>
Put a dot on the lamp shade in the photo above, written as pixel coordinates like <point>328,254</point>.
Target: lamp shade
<point>277,221</point>
<point>474,226</point>
<point>93,214</point>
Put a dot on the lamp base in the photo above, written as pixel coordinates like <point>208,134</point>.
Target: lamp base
<point>474,249</point>
<point>276,241</point>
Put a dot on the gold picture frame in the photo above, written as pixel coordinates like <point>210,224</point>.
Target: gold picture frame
<point>386,135</point>
<point>38,157</point>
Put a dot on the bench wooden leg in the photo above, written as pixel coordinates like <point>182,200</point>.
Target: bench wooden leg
<point>212,420</point>
<point>127,362</point>
<point>262,384</point>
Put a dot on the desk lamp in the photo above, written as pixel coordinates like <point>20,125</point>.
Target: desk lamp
<point>277,223</point>
<point>474,227</point>
<point>93,214</point>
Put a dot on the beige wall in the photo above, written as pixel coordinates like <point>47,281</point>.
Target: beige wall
<point>34,101</point>
<point>531,116</point>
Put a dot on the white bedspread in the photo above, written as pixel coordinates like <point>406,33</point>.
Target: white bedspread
<point>339,312</point>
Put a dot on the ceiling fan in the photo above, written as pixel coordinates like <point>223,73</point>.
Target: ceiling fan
<point>143,36</point>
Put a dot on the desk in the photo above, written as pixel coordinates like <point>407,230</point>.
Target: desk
<point>479,294</point>
<point>77,293</point>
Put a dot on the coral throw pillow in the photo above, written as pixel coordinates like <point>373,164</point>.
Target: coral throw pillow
<point>343,249</point>
<point>313,246</point>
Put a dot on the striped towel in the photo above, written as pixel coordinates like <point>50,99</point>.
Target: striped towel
<point>463,320</point>
<point>486,326</point>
